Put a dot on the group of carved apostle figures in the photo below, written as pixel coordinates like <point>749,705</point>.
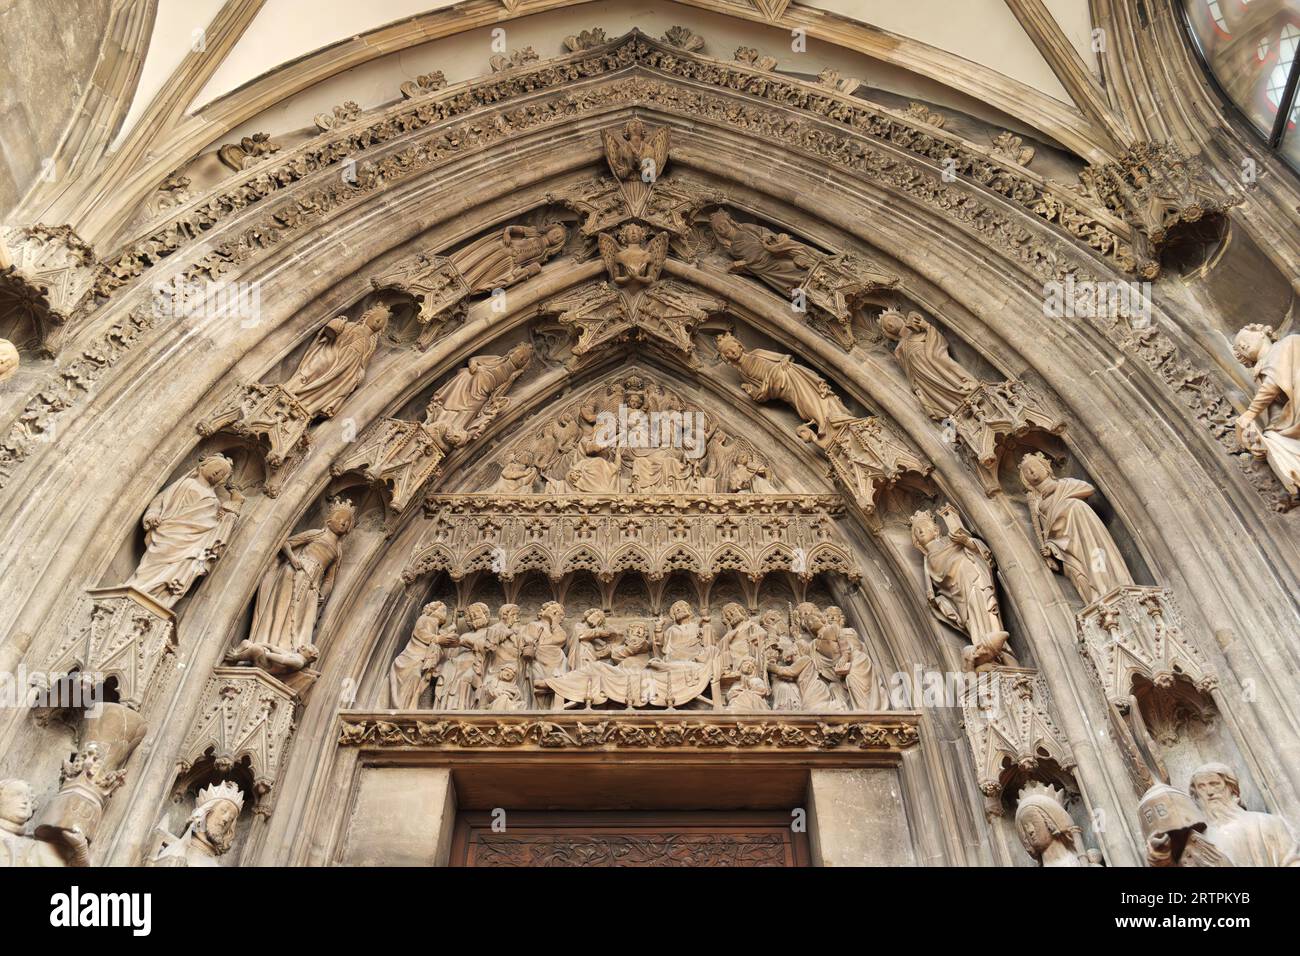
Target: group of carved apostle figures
<point>800,659</point>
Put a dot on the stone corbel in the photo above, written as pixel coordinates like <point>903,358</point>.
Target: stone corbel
<point>1134,642</point>
<point>48,274</point>
<point>117,634</point>
<point>1012,736</point>
<point>269,414</point>
<point>995,412</point>
<point>244,723</point>
<point>867,457</point>
<point>398,456</point>
<point>438,289</point>
<point>1156,189</point>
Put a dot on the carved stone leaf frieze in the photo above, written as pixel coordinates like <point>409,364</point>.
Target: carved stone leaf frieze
<point>530,732</point>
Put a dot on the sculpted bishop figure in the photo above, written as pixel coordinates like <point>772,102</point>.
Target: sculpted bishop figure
<point>186,528</point>
<point>336,362</point>
<point>1069,532</point>
<point>937,380</point>
<point>1270,427</point>
<point>1246,837</point>
<point>766,375</point>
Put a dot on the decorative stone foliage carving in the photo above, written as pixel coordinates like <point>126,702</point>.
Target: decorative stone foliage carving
<point>831,286</point>
<point>249,151</point>
<point>1155,188</point>
<point>245,720</point>
<point>423,84</point>
<point>586,40</point>
<point>1133,640</point>
<point>119,634</point>
<point>1012,148</point>
<point>923,114</point>
<point>651,535</point>
<point>500,62</point>
<point>1012,736</point>
<point>338,116</point>
<point>751,57</point>
<point>561,731</point>
<point>401,457</point>
<point>209,832</point>
<point>684,39</point>
<point>48,275</point>
<point>332,368</point>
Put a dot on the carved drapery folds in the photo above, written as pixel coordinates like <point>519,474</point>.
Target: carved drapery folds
<point>831,287</point>
<point>984,415</point>
<point>1155,188</point>
<point>1134,642</point>
<point>244,723</point>
<point>401,456</point>
<point>653,536</point>
<point>48,275</point>
<point>865,454</point>
<point>1012,735</point>
<point>280,415</point>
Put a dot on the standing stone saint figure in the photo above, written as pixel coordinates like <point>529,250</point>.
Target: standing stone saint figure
<point>289,598</point>
<point>1069,532</point>
<point>959,585</point>
<point>415,666</point>
<point>17,849</point>
<point>545,646</point>
<point>461,672</point>
<point>336,362</point>
<point>186,528</point>
<point>937,380</point>
<point>1270,427</point>
<point>210,831</point>
<point>1246,837</point>
<point>853,666</point>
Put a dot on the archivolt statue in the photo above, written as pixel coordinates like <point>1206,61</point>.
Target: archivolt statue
<point>1270,427</point>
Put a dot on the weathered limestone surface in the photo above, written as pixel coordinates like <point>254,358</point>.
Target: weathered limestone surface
<point>857,818</point>
<point>402,816</point>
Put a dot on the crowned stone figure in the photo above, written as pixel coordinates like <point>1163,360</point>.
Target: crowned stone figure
<point>210,831</point>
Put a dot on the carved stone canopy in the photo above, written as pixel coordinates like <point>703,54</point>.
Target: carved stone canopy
<point>652,535</point>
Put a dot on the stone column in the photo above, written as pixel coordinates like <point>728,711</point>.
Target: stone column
<point>856,818</point>
<point>401,816</point>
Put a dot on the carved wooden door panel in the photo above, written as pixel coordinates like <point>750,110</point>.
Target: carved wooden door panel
<point>604,838</point>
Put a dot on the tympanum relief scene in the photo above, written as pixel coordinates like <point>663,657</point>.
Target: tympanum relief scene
<point>902,437</point>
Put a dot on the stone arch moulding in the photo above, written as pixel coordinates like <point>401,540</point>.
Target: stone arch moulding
<point>854,216</point>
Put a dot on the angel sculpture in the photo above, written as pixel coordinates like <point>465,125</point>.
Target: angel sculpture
<point>636,153</point>
<point>633,261</point>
